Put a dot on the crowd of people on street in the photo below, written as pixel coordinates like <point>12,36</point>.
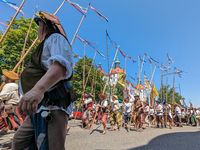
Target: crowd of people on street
<point>136,113</point>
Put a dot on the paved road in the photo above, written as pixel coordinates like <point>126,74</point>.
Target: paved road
<point>186,138</point>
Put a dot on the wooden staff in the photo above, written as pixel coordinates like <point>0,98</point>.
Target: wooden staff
<point>161,82</point>
<point>95,84</point>
<point>23,51</point>
<point>100,83</point>
<point>94,118</point>
<point>153,74</point>
<point>108,61</point>
<point>123,91</point>
<point>166,89</point>
<point>83,81</point>
<point>79,27</point>
<point>59,7</point>
<point>92,82</point>
<point>85,86</point>
<point>173,91</point>
<point>110,70</point>
<point>3,36</point>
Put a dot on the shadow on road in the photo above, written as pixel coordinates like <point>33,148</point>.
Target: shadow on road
<point>173,141</point>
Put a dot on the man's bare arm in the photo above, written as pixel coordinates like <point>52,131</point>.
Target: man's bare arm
<point>31,99</point>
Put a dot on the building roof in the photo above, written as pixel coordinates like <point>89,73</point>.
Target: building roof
<point>105,74</point>
<point>139,87</point>
<point>117,60</point>
<point>117,70</point>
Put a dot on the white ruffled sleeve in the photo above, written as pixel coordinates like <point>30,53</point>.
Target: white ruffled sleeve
<point>57,48</point>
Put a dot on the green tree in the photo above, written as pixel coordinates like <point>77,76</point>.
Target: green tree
<point>119,91</point>
<point>12,45</point>
<point>177,97</point>
<point>77,81</point>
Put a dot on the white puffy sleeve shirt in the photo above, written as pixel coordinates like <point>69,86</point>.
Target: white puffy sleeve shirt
<point>57,48</point>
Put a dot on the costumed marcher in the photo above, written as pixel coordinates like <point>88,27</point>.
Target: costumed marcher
<point>198,115</point>
<point>127,111</point>
<point>49,97</point>
<point>167,107</point>
<point>182,115</point>
<point>193,119</point>
<point>151,115</point>
<point>138,109</point>
<point>94,105</point>
<point>115,114</point>
<point>146,114</point>
<point>103,107</point>
<point>9,97</point>
<point>87,115</point>
<point>178,115</point>
<point>159,113</point>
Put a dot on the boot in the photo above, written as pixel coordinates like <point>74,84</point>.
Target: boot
<point>105,130</point>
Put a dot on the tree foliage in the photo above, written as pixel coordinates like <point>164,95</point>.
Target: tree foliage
<point>119,91</point>
<point>94,81</point>
<point>12,45</point>
<point>177,97</point>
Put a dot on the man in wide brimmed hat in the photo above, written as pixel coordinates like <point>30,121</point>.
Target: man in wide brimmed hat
<point>115,115</point>
<point>103,108</point>
<point>9,97</point>
<point>48,95</point>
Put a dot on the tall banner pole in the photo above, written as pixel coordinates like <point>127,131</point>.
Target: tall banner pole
<point>153,74</point>
<point>138,75</point>
<point>83,83</point>
<point>23,51</point>
<point>108,62</point>
<point>173,90</point>
<point>85,86</point>
<point>110,69</point>
<point>161,83</point>
<point>3,36</point>
<point>166,89</point>
<point>72,43</point>
<point>60,7</point>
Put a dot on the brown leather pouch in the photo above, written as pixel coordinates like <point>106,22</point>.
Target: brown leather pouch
<point>9,109</point>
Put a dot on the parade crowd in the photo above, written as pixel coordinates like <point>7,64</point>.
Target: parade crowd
<point>137,113</point>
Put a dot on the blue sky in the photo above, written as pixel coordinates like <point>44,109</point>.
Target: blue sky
<point>153,27</point>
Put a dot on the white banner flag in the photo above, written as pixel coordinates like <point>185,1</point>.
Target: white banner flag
<point>131,93</point>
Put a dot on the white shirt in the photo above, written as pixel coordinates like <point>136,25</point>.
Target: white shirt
<point>103,103</point>
<point>127,108</point>
<point>87,101</point>
<point>151,112</point>
<point>177,109</point>
<point>146,109</point>
<point>94,106</point>
<point>115,105</point>
<point>10,93</point>
<point>197,112</point>
<point>168,109</point>
<point>159,107</point>
<point>57,48</point>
